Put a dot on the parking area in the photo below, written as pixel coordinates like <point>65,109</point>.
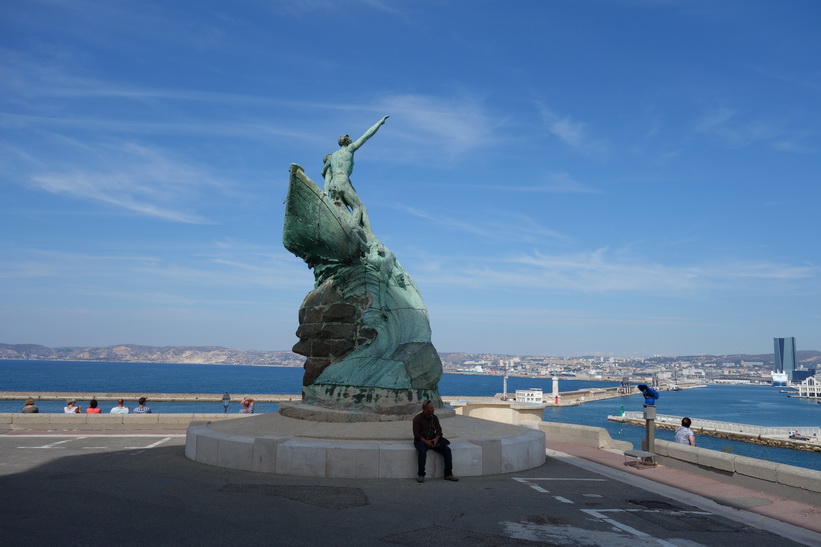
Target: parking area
<point>140,489</point>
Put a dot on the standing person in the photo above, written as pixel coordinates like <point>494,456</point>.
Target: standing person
<point>120,408</point>
<point>30,408</point>
<point>71,407</point>
<point>247,406</point>
<point>427,434</point>
<point>684,434</point>
<point>92,407</point>
<point>336,170</point>
<point>142,409</point>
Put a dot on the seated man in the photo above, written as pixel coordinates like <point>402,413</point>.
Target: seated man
<point>120,408</point>
<point>684,434</point>
<point>427,434</point>
<point>142,409</point>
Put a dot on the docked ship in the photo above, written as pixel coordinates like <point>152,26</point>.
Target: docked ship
<point>780,379</point>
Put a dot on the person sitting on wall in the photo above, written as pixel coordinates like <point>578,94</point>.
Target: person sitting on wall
<point>92,407</point>
<point>120,408</point>
<point>427,434</point>
<point>142,409</point>
<point>30,407</point>
<point>71,407</point>
<point>247,406</point>
<point>684,434</point>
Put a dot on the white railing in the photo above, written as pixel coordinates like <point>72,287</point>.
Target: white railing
<point>730,427</point>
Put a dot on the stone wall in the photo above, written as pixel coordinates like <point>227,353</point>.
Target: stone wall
<point>796,483</point>
<point>126,422</point>
<point>584,435</point>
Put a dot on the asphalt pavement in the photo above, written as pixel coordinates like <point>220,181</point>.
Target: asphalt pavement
<point>87,489</point>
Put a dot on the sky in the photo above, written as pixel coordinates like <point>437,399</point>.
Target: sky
<point>562,178</point>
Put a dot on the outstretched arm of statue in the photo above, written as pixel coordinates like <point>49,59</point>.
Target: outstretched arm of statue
<point>368,134</point>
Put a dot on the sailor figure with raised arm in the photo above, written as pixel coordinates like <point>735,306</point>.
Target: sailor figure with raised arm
<point>336,170</point>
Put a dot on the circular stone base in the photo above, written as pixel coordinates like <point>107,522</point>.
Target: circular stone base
<point>322,414</point>
<point>273,443</point>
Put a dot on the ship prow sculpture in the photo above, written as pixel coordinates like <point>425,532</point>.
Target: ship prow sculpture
<point>366,336</point>
<point>363,328</point>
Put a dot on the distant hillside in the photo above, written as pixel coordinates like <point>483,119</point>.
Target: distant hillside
<point>204,355</point>
<point>216,355</point>
<point>806,357</point>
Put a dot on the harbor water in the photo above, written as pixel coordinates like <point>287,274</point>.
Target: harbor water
<point>755,405</point>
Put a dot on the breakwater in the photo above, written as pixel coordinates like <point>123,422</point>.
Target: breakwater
<point>153,397</point>
<point>566,398</point>
<point>764,435</point>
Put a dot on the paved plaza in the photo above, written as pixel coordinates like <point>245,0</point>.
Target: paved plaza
<point>95,489</point>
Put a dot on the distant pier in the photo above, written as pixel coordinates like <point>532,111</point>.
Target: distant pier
<point>566,398</point>
<point>765,435</point>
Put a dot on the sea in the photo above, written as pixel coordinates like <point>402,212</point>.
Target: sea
<point>747,404</point>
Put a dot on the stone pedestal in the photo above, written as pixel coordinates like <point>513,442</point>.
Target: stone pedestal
<point>277,444</point>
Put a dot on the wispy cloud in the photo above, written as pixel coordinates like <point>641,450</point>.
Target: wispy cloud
<point>600,271</point>
<point>573,133</point>
<point>554,183</point>
<point>730,127</point>
<point>556,316</point>
<point>181,271</point>
<point>303,7</point>
<point>453,124</point>
<point>141,179</point>
<point>110,23</point>
<point>501,226</point>
<point>766,270</point>
<point>125,125</point>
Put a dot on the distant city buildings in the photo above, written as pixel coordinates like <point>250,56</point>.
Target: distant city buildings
<point>532,395</point>
<point>784,351</point>
<point>667,371</point>
<point>810,388</point>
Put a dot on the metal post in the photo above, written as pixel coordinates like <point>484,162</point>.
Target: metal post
<point>650,421</point>
<point>504,382</point>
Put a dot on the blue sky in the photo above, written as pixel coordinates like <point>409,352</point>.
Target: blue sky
<point>559,177</point>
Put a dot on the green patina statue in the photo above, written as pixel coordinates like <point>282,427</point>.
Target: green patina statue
<point>363,328</point>
<point>336,170</point>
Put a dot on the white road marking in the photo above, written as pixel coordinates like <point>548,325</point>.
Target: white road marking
<point>143,448</point>
<point>556,479</point>
<point>789,531</point>
<point>60,436</point>
<point>54,445</point>
<point>597,513</point>
<point>527,481</point>
<point>69,438</point>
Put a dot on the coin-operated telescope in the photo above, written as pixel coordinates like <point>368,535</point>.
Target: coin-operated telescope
<point>650,394</point>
